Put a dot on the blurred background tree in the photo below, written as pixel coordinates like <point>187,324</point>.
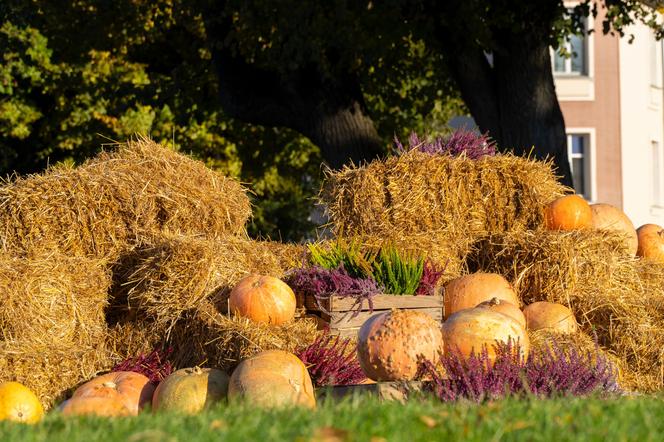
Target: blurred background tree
<point>266,90</point>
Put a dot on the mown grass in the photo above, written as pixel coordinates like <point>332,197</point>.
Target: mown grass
<point>365,419</point>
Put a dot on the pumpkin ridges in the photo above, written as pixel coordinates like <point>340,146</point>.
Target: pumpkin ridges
<point>568,212</point>
<point>190,390</point>
<point>133,389</point>
<point>471,330</point>
<point>651,242</point>
<point>263,299</point>
<point>470,290</point>
<point>95,405</point>
<point>272,378</point>
<point>551,316</point>
<point>506,308</point>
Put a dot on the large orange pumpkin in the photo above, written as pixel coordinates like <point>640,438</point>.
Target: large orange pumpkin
<point>390,344</point>
<point>470,290</point>
<point>263,299</point>
<point>608,217</point>
<point>111,406</point>
<point>651,242</point>
<point>569,212</point>
<point>19,404</point>
<point>190,390</point>
<point>506,308</point>
<point>550,316</point>
<point>133,389</point>
<point>272,378</point>
<point>472,330</point>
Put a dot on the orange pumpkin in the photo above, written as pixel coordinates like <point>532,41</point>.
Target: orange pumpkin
<point>608,217</point>
<point>390,344</point>
<point>19,404</point>
<point>651,242</point>
<point>190,390</point>
<point>569,212</point>
<point>263,299</point>
<point>111,406</point>
<point>272,378</point>
<point>134,390</point>
<point>551,316</point>
<point>472,330</point>
<point>470,290</point>
<point>506,308</point>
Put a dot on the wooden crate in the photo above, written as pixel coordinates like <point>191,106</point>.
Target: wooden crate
<point>341,321</point>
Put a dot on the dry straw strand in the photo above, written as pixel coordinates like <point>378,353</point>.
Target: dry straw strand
<point>105,204</point>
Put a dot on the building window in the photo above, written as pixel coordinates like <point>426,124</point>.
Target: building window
<point>578,151</point>
<point>576,60</point>
<point>657,175</point>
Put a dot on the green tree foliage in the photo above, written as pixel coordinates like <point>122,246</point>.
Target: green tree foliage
<point>77,75</point>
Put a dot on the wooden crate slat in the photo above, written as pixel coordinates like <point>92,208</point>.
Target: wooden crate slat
<point>380,302</point>
<point>343,320</point>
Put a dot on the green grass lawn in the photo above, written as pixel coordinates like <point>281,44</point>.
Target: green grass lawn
<point>365,419</point>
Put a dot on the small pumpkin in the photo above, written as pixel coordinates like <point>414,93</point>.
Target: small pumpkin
<point>506,308</point>
<point>608,217</point>
<point>111,406</point>
<point>390,344</point>
<point>469,290</point>
<point>190,390</point>
<point>550,316</point>
<point>263,299</point>
<point>570,212</point>
<point>651,242</point>
<point>133,389</point>
<point>472,330</point>
<point>19,404</point>
<point>272,378</point>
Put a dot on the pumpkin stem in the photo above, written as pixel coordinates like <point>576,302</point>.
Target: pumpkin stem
<point>494,301</point>
<point>197,370</point>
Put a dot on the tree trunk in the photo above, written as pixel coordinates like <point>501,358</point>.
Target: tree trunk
<point>530,117</point>
<point>514,100</point>
<point>329,110</point>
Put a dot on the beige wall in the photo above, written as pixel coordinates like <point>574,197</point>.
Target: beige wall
<point>601,113</point>
<point>642,123</point>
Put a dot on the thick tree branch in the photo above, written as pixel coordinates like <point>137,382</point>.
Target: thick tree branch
<point>329,110</point>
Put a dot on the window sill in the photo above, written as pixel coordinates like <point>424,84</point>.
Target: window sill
<point>575,87</point>
<point>657,211</point>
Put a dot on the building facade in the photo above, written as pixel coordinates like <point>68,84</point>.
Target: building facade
<point>612,98</point>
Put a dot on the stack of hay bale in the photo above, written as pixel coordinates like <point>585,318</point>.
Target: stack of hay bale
<point>487,215</point>
<point>133,249</point>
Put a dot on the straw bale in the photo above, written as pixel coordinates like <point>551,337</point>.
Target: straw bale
<point>614,296</point>
<point>52,371</point>
<point>417,193</point>
<point>55,299</point>
<point>106,203</point>
<point>204,336</point>
<point>172,274</point>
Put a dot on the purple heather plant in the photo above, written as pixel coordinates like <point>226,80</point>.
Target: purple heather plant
<point>330,361</point>
<point>430,276</point>
<point>155,365</point>
<point>544,373</point>
<point>461,142</point>
<point>323,283</point>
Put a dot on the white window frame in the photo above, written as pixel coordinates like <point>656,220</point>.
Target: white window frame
<point>657,148</point>
<point>590,156</point>
<point>568,60</point>
<point>656,62</point>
